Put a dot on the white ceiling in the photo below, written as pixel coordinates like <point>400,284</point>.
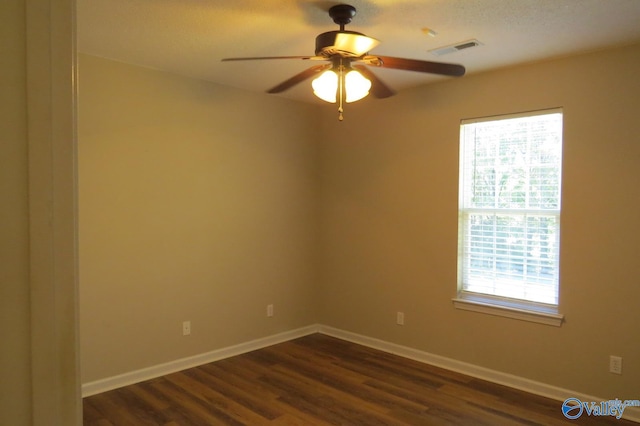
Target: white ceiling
<point>189,37</point>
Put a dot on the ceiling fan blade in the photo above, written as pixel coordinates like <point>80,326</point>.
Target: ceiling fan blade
<point>299,78</point>
<point>274,57</point>
<point>417,65</point>
<point>378,88</point>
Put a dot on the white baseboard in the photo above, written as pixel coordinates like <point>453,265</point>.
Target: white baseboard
<point>159,370</point>
<point>521,383</point>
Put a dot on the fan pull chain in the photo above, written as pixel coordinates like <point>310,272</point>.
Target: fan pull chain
<point>341,91</point>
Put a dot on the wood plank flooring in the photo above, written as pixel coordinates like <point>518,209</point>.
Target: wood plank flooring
<point>320,380</point>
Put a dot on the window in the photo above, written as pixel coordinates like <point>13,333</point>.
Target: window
<point>509,210</point>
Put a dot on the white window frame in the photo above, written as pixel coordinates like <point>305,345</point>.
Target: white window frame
<point>544,313</point>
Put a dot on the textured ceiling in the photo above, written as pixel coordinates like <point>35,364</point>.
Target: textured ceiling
<point>189,37</point>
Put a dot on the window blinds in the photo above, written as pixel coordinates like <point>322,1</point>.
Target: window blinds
<point>509,210</point>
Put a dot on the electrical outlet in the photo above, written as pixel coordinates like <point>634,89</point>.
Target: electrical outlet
<point>269,311</point>
<point>186,328</point>
<point>615,364</point>
<point>400,318</point>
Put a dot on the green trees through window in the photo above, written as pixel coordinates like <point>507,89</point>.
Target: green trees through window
<point>509,210</point>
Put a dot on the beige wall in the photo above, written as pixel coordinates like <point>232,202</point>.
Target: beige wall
<point>197,202</point>
<point>200,202</point>
<point>389,222</point>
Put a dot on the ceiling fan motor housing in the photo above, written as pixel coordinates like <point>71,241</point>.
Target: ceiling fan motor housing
<point>326,44</point>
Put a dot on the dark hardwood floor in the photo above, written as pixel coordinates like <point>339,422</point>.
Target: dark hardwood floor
<point>320,380</point>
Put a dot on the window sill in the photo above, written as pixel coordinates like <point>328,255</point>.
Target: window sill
<point>509,309</point>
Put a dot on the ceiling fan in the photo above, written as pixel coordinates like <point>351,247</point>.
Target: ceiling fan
<point>346,77</point>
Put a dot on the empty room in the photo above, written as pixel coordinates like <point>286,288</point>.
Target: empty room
<point>457,245</point>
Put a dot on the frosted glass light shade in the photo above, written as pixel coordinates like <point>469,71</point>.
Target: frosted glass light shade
<point>357,87</point>
<point>326,86</point>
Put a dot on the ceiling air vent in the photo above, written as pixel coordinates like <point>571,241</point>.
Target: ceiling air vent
<point>456,47</point>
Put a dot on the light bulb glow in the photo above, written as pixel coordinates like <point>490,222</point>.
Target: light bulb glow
<point>326,86</point>
<point>357,86</point>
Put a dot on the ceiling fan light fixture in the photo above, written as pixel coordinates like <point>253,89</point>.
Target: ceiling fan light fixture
<point>327,86</point>
<point>356,86</point>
